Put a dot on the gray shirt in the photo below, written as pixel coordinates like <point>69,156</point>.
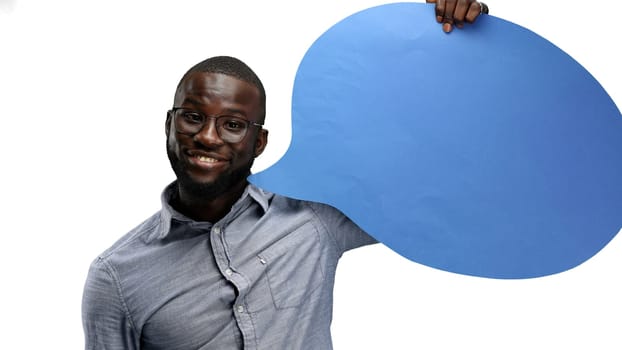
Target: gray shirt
<point>260,278</point>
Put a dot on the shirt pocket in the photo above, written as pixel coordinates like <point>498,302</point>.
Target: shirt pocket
<point>293,266</point>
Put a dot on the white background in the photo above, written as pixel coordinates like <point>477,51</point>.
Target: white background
<point>84,86</point>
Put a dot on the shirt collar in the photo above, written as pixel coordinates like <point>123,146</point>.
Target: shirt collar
<point>168,214</point>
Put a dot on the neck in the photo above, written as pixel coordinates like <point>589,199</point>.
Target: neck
<point>207,208</point>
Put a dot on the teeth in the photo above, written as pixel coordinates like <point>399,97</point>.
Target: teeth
<point>206,159</point>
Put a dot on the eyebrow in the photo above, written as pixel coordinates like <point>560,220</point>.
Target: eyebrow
<point>195,102</point>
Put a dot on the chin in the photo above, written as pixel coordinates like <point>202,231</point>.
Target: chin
<point>211,188</point>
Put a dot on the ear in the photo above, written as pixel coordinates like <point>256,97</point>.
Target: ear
<point>261,142</point>
<point>167,124</point>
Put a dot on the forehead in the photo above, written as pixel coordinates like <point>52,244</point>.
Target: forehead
<point>209,89</point>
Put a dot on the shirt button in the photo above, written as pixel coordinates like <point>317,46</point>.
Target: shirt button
<point>240,308</point>
<point>216,230</point>
<point>229,272</point>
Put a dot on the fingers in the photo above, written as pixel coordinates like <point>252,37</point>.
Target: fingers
<point>460,12</point>
<point>448,21</point>
<point>455,12</point>
<point>475,9</point>
<point>440,11</point>
<point>445,13</point>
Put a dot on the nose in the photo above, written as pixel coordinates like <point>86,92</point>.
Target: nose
<point>208,135</point>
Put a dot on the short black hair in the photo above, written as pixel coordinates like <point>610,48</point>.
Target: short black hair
<point>233,67</point>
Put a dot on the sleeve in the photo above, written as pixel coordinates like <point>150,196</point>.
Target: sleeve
<point>344,231</point>
<point>105,318</point>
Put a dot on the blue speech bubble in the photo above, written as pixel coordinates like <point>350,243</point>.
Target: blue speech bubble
<point>486,152</point>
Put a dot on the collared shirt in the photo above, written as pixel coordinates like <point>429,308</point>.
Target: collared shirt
<point>260,278</point>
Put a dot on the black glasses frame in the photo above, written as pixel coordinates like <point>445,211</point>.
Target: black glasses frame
<point>205,118</point>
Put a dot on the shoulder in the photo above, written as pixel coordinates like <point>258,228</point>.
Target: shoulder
<point>137,236</point>
<point>325,217</point>
<point>293,205</point>
<point>117,264</point>
<point>328,219</point>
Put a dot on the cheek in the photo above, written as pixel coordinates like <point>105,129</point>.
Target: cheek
<point>246,151</point>
<point>172,143</point>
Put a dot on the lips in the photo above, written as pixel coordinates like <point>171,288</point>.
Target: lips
<point>207,160</point>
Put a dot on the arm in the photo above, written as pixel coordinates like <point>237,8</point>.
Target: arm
<point>105,318</point>
<point>456,12</point>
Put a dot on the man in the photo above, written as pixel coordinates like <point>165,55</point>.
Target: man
<point>224,264</point>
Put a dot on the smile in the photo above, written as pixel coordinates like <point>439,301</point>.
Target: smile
<point>204,159</point>
<point>207,161</point>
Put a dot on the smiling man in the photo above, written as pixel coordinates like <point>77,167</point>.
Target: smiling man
<point>224,264</point>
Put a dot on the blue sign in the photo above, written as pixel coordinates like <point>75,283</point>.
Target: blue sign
<point>487,152</point>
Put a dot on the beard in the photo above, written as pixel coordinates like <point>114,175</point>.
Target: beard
<point>207,190</point>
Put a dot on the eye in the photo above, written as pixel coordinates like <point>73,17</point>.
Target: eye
<point>192,117</point>
<point>234,124</point>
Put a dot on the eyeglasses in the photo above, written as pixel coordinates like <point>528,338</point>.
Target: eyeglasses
<point>230,128</point>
